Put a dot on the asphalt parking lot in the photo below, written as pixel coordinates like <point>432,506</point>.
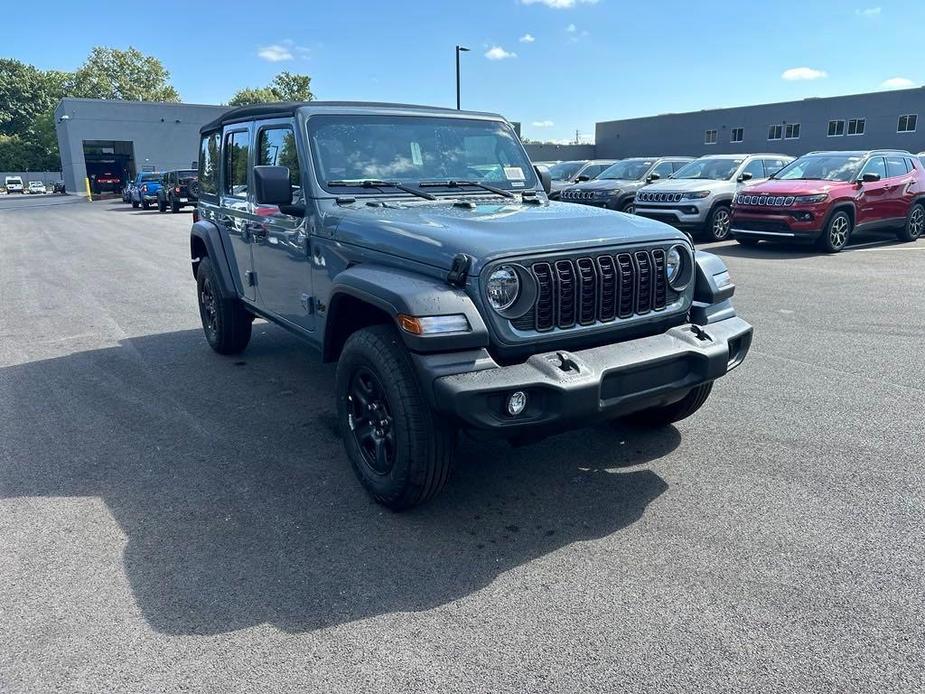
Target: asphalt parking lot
<point>174,520</point>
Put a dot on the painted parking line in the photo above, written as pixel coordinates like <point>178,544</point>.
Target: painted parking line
<point>894,248</point>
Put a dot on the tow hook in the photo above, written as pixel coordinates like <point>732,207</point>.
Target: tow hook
<point>700,333</point>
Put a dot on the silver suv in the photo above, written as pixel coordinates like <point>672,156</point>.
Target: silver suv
<point>697,198</point>
<point>616,187</point>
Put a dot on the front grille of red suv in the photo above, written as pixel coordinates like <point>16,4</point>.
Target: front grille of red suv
<point>764,200</point>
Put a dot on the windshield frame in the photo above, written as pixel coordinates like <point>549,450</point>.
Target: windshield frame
<point>531,181</point>
<point>738,164</point>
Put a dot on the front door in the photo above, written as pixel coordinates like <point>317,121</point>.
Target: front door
<point>280,242</point>
<point>232,215</point>
<point>873,203</point>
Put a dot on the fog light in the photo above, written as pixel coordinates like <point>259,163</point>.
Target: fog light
<point>516,403</point>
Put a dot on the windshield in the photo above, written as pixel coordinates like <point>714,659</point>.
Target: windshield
<point>627,170</point>
<point>821,167</point>
<point>565,170</point>
<point>189,173</point>
<point>149,177</point>
<point>717,169</point>
<point>416,149</point>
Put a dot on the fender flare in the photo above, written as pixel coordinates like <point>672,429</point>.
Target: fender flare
<point>208,235</point>
<point>395,292</point>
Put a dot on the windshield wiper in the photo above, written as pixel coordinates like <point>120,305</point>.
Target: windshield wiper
<point>376,183</point>
<point>456,183</point>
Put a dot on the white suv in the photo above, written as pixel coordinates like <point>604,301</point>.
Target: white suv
<point>13,184</point>
<point>697,198</point>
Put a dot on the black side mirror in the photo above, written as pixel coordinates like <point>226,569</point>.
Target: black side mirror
<point>653,177</point>
<point>583,178</point>
<point>745,176</point>
<point>271,185</point>
<point>545,179</point>
<point>869,178</point>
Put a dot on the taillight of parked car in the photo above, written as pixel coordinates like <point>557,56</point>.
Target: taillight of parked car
<point>144,187</point>
<point>176,189</point>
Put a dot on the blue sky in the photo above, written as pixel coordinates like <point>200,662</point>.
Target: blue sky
<point>559,65</point>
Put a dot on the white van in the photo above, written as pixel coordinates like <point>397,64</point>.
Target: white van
<point>13,184</point>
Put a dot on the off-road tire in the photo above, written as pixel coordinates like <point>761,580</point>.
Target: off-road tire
<point>423,444</point>
<point>676,411</point>
<point>145,205</point>
<point>134,205</point>
<point>719,222</point>
<point>174,205</point>
<point>227,324</point>
<point>915,224</point>
<point>837,232</point>
<point>161,205</point>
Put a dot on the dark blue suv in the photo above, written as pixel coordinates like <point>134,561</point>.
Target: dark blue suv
<point>418,249</point>
<point>144,189</point>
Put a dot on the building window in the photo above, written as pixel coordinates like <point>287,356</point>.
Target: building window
<point>907,123</point>
<point>775,132</point>
<point>792,131</point>
<point>737,135</point>
<point>836,128</point>
<point>709,137</point>
<point>856,126</point>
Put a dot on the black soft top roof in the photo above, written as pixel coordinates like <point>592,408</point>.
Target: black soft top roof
<point>288,109</point>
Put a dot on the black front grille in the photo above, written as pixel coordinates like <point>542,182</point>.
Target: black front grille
<point>761,225</point>
<point>586,290</point>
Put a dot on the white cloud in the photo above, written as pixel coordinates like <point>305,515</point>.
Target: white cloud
<point>284,50</point>
<point>571,28</point>
<point>527,38</point>
<point>897,83</point>
<point>803,73</point>
<point>543,124</point>
<point>498,53</point>
<point>868,12</point>
<point>559,4</point>
<point>275,53</point>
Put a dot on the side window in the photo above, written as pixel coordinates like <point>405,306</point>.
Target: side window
<point>772,166</point>
<point>755,167</point>
<point>235,165</point>
<point>896,166</point>
<point>594,170</point>
<point>678,165</point>
<point>276,147</point>
<point>208,164</point>
<point>663,170</point>
<point>875,166</point>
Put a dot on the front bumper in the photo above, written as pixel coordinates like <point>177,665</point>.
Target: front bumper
<point>571,389</point>
<point>790,226</point>
<point>682,215</point>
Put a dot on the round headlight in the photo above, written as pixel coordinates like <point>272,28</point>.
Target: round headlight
<point>503,288</point>
<point>674,266</point>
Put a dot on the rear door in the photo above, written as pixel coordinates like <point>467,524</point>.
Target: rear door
<point>899,188</point>
<point>280,242</point>
<point>873,203</point>
<point>234,208</point>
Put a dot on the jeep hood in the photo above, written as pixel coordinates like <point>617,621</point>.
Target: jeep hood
<point>433,233</point>
<point>792,187</point>
<point>688,185</point>
<point>607,184</point>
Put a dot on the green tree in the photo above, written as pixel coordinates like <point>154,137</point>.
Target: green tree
<point>110,73</point>
<point>25,93</point>
<point>286,86</point>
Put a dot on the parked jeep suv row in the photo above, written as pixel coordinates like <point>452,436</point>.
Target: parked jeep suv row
<point>615,188</point>
<point>823,197</point>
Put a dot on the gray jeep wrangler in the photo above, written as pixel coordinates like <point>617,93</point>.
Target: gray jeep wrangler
<point>418,249</point>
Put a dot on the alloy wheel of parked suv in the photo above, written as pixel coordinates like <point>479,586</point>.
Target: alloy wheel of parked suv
<point>836,233</point>
<point>720,222</point>
<point>915,224</point>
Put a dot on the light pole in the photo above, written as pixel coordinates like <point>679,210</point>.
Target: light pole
<point>459,49</point>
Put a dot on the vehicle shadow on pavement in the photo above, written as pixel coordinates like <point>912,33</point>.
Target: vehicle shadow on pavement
<point>783,251</point>
<point>239,506</point>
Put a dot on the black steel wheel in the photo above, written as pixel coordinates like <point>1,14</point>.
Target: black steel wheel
<point>400,449</point>
<point>225,321</point>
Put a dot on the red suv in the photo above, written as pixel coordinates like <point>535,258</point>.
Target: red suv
<point>823,197</point>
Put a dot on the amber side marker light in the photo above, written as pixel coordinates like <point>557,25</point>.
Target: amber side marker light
<point>433,325</point>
